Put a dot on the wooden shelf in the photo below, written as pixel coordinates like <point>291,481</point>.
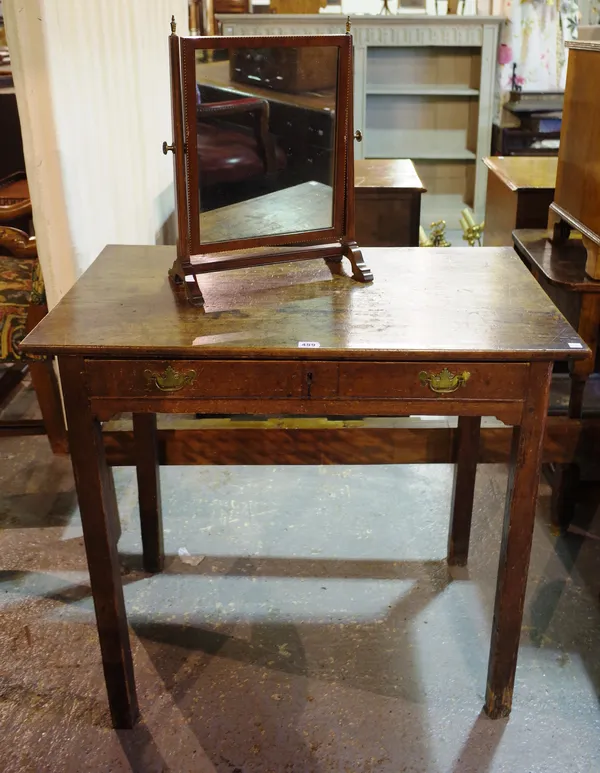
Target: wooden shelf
<point>421,127</point>
<point>432,144</point>
<point>424,90</point>
<point>443,66</point>
<point>419,153</point>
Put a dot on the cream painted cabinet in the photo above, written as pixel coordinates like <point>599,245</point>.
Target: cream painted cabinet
<point>423,89</point>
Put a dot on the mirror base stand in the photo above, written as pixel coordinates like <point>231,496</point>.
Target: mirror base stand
<point>184,274</point>
<point>179,278</point>
<point>360,271</point>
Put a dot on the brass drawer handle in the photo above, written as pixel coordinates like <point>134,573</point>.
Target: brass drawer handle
<point>170,380</point>
<point>444,382</point>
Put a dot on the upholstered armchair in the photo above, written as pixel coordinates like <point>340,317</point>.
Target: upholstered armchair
<point>15,205</point>
<point>22,306</point>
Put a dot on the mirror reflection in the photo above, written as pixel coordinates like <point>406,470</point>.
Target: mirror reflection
<point>266,140</point>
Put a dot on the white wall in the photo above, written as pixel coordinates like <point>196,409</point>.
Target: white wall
<point>92,84</point>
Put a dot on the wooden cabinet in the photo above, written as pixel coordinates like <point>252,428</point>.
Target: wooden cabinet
<point>520,190</point>
<point>388,202</point>
<point>423,89</point>
<point>577,197</point>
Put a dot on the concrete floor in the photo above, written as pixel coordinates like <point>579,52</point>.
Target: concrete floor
<point>313,628</point>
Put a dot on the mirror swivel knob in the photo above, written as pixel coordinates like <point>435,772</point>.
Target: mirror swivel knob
<point>358,135</point>
<point>167,148</point>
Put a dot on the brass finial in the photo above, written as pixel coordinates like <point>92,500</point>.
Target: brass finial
<point>173,25</point>
<point>348,25</point>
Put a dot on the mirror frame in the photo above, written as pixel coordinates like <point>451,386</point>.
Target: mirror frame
<point>189,46</point>
<point>331,244</point>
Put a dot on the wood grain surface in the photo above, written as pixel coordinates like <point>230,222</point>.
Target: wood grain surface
<point>297,209</point>
<point>447,304</point>
<point>524,172</point>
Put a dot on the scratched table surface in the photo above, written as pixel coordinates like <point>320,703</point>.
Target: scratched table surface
<point>457,303</point>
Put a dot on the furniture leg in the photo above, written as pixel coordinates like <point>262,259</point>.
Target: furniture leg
<point>565,483</point>
<point>558,228</point>
<point>98,505</point>
<point>148,479</point>
<point>111,500</point>
<point>465,469</point>
<point>565,477</point>
<point>192,289</point>
<point>515,548</point>
<point>47,391</point>
<point>10,380</point>
<point>194,293</point>
<point>589,322</point>
<point>592,264</point>
<point>45,384</point>
<point>578,382</point>
<point>565,480</point>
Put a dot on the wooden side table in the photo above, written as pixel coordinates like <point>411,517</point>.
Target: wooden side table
<point>388,202</point>
<point>560,270</point>
<point>457,332</point>
<point>520,190</point>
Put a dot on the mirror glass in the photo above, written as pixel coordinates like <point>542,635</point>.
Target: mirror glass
<point>265,125</point>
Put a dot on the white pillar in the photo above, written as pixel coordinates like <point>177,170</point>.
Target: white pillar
<point>92,85</point>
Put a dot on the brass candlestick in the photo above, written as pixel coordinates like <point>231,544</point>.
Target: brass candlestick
<point>472,233</point>
<point>424,240</point>
<point>437,236</point>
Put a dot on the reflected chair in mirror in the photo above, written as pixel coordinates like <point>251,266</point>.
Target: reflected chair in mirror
<point>22,306</point>
<point>236,151</point>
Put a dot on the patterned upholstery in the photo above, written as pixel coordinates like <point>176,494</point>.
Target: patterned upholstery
<point>21,284</point>
<point>22,306</point>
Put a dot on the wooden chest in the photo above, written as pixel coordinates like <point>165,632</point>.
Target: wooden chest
<point>285,69</point>
<point>388,202</point>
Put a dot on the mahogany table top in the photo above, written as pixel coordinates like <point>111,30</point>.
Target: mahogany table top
<point>457,303</point>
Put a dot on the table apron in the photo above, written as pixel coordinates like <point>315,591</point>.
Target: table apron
<point>508,411</point>
<point>296,379</point>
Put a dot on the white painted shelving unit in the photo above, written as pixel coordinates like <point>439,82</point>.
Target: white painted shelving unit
<point>423,89</point>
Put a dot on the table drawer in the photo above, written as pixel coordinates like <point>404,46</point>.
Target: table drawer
<point>220,379</point>
<point>426,380</point>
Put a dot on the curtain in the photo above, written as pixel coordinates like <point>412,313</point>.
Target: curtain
<point>533,37</point>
